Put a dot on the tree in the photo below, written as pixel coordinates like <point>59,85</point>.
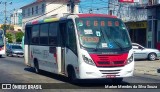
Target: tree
<point>19,36</point>
<point>8,27</point>
<point>10,37</point>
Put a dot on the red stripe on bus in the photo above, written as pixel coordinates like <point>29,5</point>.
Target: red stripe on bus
<point>102,60</point>
<point>31,55</point>
<point>55,56</point>
<point>35,22</point>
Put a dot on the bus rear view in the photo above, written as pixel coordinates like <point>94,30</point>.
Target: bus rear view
<point>106,50</point>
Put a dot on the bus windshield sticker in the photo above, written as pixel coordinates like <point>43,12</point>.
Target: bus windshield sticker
<point>98,33</point>
<point>123,28</point>
<point>80,24</point>
<point>88,31</point>
<point>110,45</point>
<point>90,39</point>
<point>104,45</point>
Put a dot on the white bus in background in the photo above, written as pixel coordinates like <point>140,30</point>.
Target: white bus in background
<point>2,46</point>
<point>80,46</point>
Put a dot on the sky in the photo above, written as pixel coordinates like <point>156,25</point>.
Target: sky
<point>85,6</point>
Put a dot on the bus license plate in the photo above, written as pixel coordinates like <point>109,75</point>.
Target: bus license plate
<point>111,76</point>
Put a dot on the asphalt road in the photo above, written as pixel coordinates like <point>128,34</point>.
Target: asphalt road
<point>13,70</point>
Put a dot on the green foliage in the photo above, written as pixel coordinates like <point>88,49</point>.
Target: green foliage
<point>19,36</point>
<point>10,37</point>
<point>8,27</point>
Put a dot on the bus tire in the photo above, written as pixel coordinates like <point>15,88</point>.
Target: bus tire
<point>117,80</point>
<point>36,66</point>
<point>71,74</point>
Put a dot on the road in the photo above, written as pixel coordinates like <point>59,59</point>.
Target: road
<point>13,70</point>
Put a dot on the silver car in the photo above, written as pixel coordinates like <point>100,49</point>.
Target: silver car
<point>141,52</point>
<point>14,50</point>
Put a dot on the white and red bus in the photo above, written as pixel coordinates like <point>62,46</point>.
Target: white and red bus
<point>2,46</point>
<point>80,46</point>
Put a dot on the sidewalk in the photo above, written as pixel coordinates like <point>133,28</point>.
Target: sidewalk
<point>147,67</point>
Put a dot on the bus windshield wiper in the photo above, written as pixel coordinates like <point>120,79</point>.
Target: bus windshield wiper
<point>99,39</point>
<point>117,43</point>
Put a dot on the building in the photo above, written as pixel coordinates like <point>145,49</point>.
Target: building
<point>41,9</point>
<point>153,8</point>
<point>134,17</point>
<point>16,17</point>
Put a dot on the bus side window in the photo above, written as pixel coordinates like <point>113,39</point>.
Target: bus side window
<point>71,36</point>
<point>53,27</point>
<point>27,37</point>
<point>44,34</point>
<point>64,38</point>
<point>35,34</point>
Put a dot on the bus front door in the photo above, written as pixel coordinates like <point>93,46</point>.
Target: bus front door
<point>27,53</point>
<point>63,29</point>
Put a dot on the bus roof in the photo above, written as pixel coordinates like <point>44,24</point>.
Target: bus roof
<point>43,21</point>
<point>62,18</point>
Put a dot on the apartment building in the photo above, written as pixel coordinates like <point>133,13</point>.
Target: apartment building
<point>16,17</point>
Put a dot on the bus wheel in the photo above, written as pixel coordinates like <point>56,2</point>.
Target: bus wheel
<point>71,75</point>
<point>117,80</point>
<point>36,66</point>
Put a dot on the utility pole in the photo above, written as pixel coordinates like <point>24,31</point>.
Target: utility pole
<point>5,14</point>
<point>72,5</point>
<point>5,19</point>
<point>109,7</point>
<point>5,4</point>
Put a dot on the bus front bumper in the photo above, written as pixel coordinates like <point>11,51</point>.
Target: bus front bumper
<point>92,72</point>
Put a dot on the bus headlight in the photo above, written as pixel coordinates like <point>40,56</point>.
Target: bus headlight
<point>130,59</point>
<point>87,60</point>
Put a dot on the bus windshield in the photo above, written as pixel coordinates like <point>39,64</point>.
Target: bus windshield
<point>108,33</point>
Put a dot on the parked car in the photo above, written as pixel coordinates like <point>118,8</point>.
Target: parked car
<point>141,52</point>
<point>14,50</point>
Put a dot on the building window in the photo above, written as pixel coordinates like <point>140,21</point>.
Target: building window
<point>23,13</point>
<point>36,9</point>
<point>43,8</point>
<point>28,11</point>
<point>32,10</point>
